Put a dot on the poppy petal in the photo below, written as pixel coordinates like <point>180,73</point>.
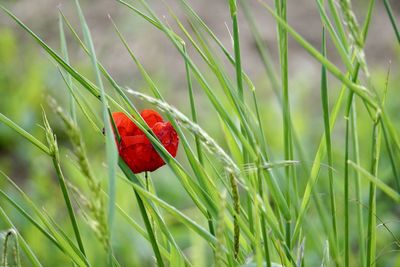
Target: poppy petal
<point>124,125</point>
<point>167,135</point>
<point>151,117</point>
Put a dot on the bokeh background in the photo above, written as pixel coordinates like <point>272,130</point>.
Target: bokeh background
<point>28,75</point>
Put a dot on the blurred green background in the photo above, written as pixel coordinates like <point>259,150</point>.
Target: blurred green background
<point>27,76</point>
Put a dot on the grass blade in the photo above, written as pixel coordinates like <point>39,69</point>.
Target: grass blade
<point>371,233</point>
<point>64,50</point>
<point>373,179</point>
<point>325,109</point>
<point>392,19</point>
<point>24,133</point>
<point>111,150</point>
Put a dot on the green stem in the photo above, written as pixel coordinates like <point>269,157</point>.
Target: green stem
<point>236,46</point>
<point>325,108</point>
<point>131,176</point>
<point>64,52</point>
<point>149,230</point>
<point>238,66</point>
<point>196,138</point>
<point>265,240</point>
<point>391,157</point>
<point>346,184</point>
<point>371,238</point>
<point>67,200</point>
<point>280,6</point>
<point>192,106</point>
<point>355,144</point>
<point>239,81</point>
<point>392,19</point>
<point>263,222</point>
<point>54,153</point>
<point>146,177</point>
<point>346,170</point>
<point>356,153</point>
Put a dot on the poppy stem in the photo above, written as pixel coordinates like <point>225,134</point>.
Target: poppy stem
<point>152,238</point>
<point>149,229</point>
<point>146,177</point>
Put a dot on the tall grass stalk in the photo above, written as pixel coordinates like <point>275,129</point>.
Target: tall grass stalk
<point>357,180</point>
<point>54,153</point>
<point>239,81</point>
<point>371,232</point>
<point>325,108</point>
<point>111,150</point>
<point>280,7</point>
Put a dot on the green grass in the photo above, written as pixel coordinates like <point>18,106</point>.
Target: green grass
<point>232,197</point>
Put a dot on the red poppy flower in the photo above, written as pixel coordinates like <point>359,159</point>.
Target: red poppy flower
<point>136,149</point>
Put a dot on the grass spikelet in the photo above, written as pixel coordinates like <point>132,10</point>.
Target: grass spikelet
<point>351,22</point>
<point>96,203</point>
<point>354,33</point>
<point>10,249</point>
<point>96,218</point>
<point>236,207</point>
<point>54,153</point>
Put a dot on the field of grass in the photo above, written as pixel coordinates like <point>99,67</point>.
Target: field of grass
<point>270,171</point>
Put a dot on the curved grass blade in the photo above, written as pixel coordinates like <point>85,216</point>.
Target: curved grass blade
<point>111,150</point>
<point>325,108</point>
<point>371,232</point>
<point>373,179</point>
<point>392,19</point>
<point>64,50</point>
<point>24,133</point>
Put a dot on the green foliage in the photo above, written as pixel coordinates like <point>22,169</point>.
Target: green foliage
<point>242,190</point>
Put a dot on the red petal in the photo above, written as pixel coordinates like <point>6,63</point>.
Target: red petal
<point>151,117</point>
<point>168,136</point>
<point>139,154</point>
<point>124,125</point>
